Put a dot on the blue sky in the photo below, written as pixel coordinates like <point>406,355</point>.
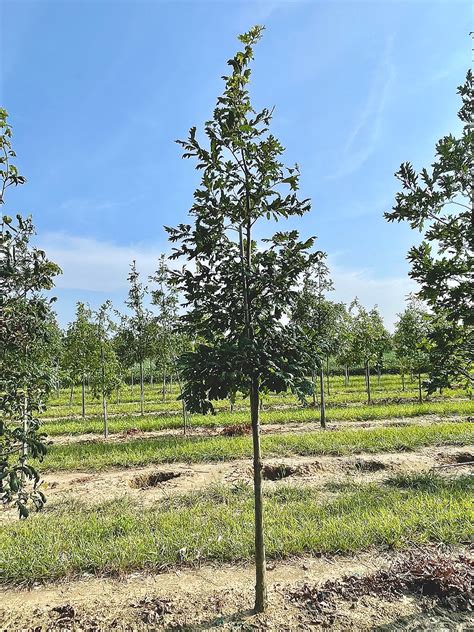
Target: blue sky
<point>97,92</point>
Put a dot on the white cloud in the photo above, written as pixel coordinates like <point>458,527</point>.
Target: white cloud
<point>89,264</point>
<point>99,266</point>
<point>388,293</point>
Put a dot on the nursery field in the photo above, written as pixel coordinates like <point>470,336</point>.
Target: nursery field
<point>153,529</point>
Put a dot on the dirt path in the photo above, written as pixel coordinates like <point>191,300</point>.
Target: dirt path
<point>213,598</point>
<point>292,426</point>
<point>137,483</point>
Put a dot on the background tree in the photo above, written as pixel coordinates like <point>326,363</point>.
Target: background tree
<point>440,203</point>
<point>317,317</point>
<point>170,343</point>
<point>369,339</point>
<point>80,349</point>
<point>27,358</point>
<point>138,325</point>
<point>411,333</point>
<point>238,294</point>
<point>345,347</point>
<point>105,368</point>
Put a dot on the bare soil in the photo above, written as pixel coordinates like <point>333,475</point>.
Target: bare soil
<point>218,598</point>
<point>179,478</point>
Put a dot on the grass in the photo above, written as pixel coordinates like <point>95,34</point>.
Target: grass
<point>309,415</point>
<point>103,455</point>
<point>217,524</point>
<point>389,391</point>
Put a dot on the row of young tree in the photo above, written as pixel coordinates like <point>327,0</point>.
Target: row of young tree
<point>256,314</point>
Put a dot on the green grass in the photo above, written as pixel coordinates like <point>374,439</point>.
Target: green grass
<point>103,455</point>
<point>217,525</point>
<point>389,391</point>
<point>357,413</point>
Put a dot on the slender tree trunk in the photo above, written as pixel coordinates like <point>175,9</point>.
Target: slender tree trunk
<point>327,374</point>
<point>323,399</point>
<point>313,378</point>
<point>367,381</point>
<point>163,390</point>
<point>83,396</point>
<point>24,446</point>
<point>106,419</point>
<point>260,585</point>
<point>420,396</point>
<point>403,381</point>
<point>142,390</point>
<point>261,597</point>
<point>346,376</point>
<point>378,376</point>
<point>131,382</point>
<point>171,383</point>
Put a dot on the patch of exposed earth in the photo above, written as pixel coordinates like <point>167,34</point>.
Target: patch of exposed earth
<point>220,598</point>
<point>148,484</point>
<point>291,426</point>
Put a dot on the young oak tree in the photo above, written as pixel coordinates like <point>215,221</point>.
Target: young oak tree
<point>411,333</point>
<point>27,353</point>
<point>369,339</point>
<point>169,342</point>
<point>317,317</point>
<point>240,295</point>
<point>138,325</point>
<point>440,203</point>
<point>79,349</point>
<point>106,368</point>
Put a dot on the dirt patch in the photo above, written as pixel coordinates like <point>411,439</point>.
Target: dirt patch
<point>278,471</point>
<point>236,430</point>
<point>216,597</point>
<point>145,481</point>
<point>458,457</point>
<point>369,465</point>
<point>444,579</point>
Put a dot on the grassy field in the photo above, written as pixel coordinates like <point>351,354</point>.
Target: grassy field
<point>216,524</point>
<point>150,423</point>
<point>389,392</point>
<point>125,533</point>
<point>168,449</point>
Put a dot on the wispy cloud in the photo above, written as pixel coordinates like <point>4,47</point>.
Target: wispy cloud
<point>389,293</point>
<point>366,131</point>
<point>90,264</point>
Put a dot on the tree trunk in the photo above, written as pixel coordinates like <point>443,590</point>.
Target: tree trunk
<point>378,376</point>
<point>346,376</point>
<point>323,400</point>
<point>367,381</point>
<point>71,394</point>
<point>313,379</point>
<point>420,396</point>
<point>163,390</point>
<point>106,420</point>
<point>327,374</point>
<point>403,381</point>
<point>260,585</point>
<point>142,390</point>
<point>131,382</point>
<point>83,397</point>
<point>24,446</point>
